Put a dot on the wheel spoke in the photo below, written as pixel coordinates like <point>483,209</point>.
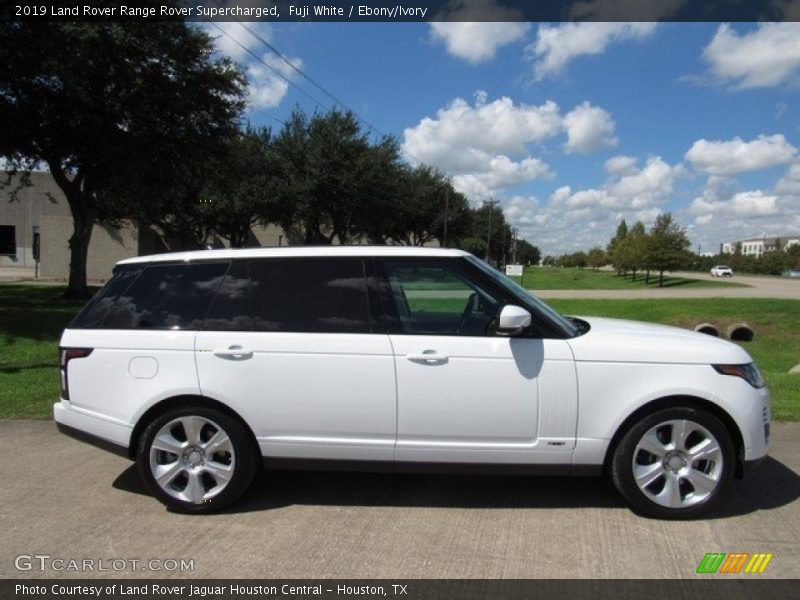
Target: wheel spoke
<point>221,473</point>
<point>704,450</point>
<point>671,494</point>
<point>194,488</point>
<point>647,474</point>
<point>164,474</point>
<point>702,483</point>
<point>680,431</point>
<point>166,442</point>
<point>192,426</point>
<point>219,442</point>
<point>652,444</point>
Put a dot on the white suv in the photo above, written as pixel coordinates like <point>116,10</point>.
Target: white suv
<point>199,365</point>
<point>721,271</point>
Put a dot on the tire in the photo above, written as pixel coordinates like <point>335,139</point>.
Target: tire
<point>203,458</point>
<point>684,459</point>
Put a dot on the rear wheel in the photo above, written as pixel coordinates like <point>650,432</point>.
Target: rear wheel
<point>196,459</point>
<point>674,463</point>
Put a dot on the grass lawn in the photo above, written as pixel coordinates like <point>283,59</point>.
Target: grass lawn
<point>776,347</point>
<point>552,278</point>
<point>32,317</point>
<point>31,320</point>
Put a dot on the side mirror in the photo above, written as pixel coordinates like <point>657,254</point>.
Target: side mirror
<point>513,320</point>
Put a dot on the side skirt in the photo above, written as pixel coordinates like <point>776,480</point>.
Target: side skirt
<point>306,464</point>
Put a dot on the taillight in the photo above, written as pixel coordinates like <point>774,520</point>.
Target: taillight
<point>64,356</point>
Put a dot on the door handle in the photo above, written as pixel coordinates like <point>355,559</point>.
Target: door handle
<point>233,352</point>
<point>430,357</point>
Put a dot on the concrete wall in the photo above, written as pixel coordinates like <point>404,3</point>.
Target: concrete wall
<point>23,208</point>
<point>108,246</point>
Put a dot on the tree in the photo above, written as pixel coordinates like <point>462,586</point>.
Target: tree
<point>425,198</point>
<point>596,258</point>
<point>615,245</point>
<point>476,246</point>
<point>527,253</point>
<point>336,182</point>
<point>500,242</point>
<point>668,246</point>
<point>241,191</point>
<point>119,113</point>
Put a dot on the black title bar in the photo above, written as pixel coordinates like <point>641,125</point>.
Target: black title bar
<point>404,11</point>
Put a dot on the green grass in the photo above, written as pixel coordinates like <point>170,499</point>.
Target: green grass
<point>32,317</point>
<point>551,278</point>
<point>31,320</point>
<point>776,347</point>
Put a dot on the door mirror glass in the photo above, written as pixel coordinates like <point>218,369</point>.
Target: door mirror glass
<point>513,320</point>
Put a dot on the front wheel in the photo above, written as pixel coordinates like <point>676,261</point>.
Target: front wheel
<point>196,459</point>
<point>674,463</point>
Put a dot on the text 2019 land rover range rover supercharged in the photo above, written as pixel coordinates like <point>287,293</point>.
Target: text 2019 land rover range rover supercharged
<point>199,365</point>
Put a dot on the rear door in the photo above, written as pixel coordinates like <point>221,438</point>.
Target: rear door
<point>290,344</point>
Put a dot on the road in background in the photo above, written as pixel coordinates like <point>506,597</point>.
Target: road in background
<point>760,287</point>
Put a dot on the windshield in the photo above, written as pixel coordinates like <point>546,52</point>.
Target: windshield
<point>533,302</point>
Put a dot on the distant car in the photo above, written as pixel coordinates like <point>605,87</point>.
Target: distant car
<point>721,271</point>
<point>792,273</point>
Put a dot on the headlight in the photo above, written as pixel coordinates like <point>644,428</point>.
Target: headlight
<point>748,372</point>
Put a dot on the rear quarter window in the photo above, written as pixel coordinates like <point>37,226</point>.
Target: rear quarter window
<point>156,297</point>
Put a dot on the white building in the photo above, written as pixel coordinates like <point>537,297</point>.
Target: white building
<point>758,246</point>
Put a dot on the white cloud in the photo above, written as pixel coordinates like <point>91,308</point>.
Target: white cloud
<point>766,56</point>
<point>579,219</point>
<point>589,128</point>
<point>502,172</point>
<point>620,164</point>
<point>477,42</point>
<point>790,182</point>
<point>485,145</point>
<point>557,45</point>
<point>233,39</point>
<point>743,204</point>
<point>267,89</point>
<point>521,210</point>
<point>726,158</point>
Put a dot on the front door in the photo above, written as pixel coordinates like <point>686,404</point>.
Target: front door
<point>465,393</point>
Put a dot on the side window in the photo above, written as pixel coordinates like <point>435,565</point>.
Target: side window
<point>99,307</point>
<point>230,309</point>
<point>310,295</point>
<point>167,297</point>
<point>437,299</point>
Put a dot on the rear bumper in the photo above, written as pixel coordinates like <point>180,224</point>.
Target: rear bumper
<point>92,428</point>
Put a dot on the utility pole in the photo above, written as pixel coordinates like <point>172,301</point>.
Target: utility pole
<point>503,262</point>
<point>446,207</point>
<point>491,204</point>
<point>514,246</point>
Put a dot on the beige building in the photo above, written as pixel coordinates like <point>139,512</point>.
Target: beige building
<point>40,212</point>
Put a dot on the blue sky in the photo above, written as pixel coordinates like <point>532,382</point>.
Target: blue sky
<point>571,126</point>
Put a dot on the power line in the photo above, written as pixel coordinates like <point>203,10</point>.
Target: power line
<point>268,66</point>
<point>313,82</point>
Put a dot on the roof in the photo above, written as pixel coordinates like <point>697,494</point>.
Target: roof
<point>295,251</point>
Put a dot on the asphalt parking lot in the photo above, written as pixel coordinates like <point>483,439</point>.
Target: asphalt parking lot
<point>66,499</point>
